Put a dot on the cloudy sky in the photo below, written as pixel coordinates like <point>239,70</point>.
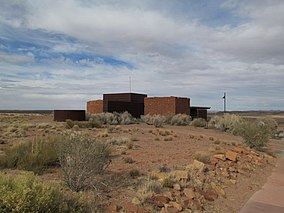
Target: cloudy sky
<point>58,54</point>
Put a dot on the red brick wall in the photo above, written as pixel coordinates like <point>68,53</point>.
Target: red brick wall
<point>159,105</point>
<point>95,107</point>
<point>182,105</point>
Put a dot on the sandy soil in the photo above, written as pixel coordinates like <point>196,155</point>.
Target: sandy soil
<point>152,150</point>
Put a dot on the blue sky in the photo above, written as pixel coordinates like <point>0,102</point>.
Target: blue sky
<point>60,54</point>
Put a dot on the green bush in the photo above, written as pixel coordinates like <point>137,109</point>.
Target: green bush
<point>256,134</point>
<point>26,193</point>
<point>34,155</point>
<point>81,159</point>
<point>198,122</point>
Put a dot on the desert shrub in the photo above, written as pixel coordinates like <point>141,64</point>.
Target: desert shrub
<point>83,124</point>
<point>159,120</point>
<point>113,118</point>
<point>26,193</point>
<point>198,122</point>
<point>134,173</point>
<point>227,123</point>
<point>128,160</point>
<point>179,120</point>
<point>202,156</point>
<point>156,120</point>
<point>119,141</point>
<point>81,159</point>
<point>256,134</point>
<point>34,155</point>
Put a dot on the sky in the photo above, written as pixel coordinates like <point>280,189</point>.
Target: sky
<point>58,54</point>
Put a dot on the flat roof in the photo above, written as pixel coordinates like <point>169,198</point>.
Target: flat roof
<point>124,93</point>
<point>200,107</point>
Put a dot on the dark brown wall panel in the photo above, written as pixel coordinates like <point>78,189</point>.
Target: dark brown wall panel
<point>182,105</point>
<point>202,113</point>
<point>75,115</point>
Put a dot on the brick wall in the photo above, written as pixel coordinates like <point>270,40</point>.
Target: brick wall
<point>159,105</point>
<point>95,107</point>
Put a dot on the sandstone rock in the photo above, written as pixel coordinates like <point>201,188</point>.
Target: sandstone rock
<point>130,207</point>
<point>197,204</point>
<point>178,206</point>
<point>239,150</point>
<point>218,189</point>
<point>161,176</point>
<point>177,187</point>
<point>189,193</point>
<point>113,208</point>
<point>141,210</point>
<point>171,209</point>
<point>232,169</point>
<point>136,201</point>
<point>233,181</point>
<point>231,155</point>
<point>220,157</point>
<point>210,195</point>
<point>160,200</point>
<point>197,165</point>
<point>181,174</point>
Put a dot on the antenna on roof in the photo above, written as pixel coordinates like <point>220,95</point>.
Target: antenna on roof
<point>224,97</point>
<point>130,84</point>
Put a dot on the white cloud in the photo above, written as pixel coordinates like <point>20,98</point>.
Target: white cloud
<point>15,58</point>
<point>171,54</point>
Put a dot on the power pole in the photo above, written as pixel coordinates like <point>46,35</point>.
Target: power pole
<point>224,98</point>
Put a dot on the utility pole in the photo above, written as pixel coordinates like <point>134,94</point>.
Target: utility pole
<point>224,97</point>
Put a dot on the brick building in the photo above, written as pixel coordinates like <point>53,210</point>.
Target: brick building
<point>166,105</point>
<point>95,107</point>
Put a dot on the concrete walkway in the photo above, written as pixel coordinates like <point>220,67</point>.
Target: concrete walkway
<point>270,199</point>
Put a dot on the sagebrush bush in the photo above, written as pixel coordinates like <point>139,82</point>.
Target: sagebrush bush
<point>180,120</point>
<point>81,159</point>
<point>256,134</point>
<point>83,124</point>
<point>198,122</point>
<point>26,193</point>
<point>119,140</point>
<point>115,118</point>
<point>156,120</point>
<point>227,123</point>
<point>34,155</point>
<point>159,120</point>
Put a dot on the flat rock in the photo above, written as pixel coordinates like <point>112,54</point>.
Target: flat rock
<point>189,193</point>
<point>220,157</point>
<point>218,189</point>
<point>231,155</point>
<point>197,165</point>
<point>181,174</point>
